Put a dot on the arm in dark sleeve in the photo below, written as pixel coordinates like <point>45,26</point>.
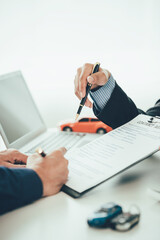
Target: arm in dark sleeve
<point>18,187</point>
<point>119,109</point>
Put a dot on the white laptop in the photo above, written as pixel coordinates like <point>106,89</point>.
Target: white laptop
<point>21,125</point>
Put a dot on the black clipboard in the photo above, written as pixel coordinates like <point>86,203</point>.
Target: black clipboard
<point>75,194</point>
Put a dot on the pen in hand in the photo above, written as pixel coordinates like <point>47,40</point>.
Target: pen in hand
<point>88,88</point>
<point>41,152</point>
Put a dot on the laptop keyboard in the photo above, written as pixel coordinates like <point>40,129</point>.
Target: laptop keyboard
<point>57,140</point>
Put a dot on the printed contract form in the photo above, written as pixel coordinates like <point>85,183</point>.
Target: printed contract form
<point>112,153</point>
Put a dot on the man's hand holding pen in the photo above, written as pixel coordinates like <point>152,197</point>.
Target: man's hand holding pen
<point>84,75</point>
<point>51,168</point>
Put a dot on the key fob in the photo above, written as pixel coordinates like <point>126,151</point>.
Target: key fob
<point>124,221</point>
<point>102,217</point>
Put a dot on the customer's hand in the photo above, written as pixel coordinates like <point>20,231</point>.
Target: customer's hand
<point>12,158</point>
<point>52,170</point>
<point>84,75</point>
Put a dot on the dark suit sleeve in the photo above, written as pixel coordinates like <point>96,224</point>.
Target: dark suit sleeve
<point>18,187</point>
<point>119,110</point>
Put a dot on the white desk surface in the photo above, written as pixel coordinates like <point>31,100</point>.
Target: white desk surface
<point>62,217</point>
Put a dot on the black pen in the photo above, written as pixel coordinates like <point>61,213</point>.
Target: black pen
<point>88,88</point>
<point>41,152</point>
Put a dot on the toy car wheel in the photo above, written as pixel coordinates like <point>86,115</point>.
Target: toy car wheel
<point>67,129</point>
<point>101,131</point>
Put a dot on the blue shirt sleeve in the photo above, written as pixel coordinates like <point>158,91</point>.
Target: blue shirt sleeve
<point>18,187</point>
<point>101,96</point>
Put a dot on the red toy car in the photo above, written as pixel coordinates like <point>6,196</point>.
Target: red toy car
<point>89,125</point>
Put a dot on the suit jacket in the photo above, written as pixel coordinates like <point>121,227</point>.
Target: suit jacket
<point>120,109</point>
<point>18,187</point>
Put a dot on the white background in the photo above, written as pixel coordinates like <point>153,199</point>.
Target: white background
<point>48,40</point>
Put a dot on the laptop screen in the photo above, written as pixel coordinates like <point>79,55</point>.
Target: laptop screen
<point>18,113</point>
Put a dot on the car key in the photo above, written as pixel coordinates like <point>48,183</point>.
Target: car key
<point>125,221</point>
<point>102,217</point>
